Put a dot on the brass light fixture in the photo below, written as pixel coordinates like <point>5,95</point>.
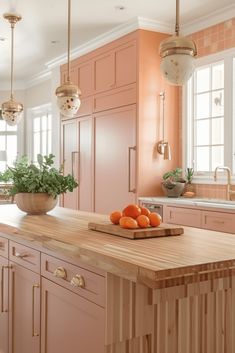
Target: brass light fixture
<point>177,56</point>
<point>68,94</point>
<point>163,146</point>
<point>12,111</point>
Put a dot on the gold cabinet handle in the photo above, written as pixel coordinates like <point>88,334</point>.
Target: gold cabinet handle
<point>3,268</point>
<point>78,281</point>
<point>20,256</point>
<point>34,333</point>
<point>60,272</point>
<point>129,169</point>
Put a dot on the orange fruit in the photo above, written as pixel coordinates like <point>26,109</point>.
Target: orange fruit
<point>145,211</point>
<point>143,221</point>
<point>115,217</point>
<point>132,211</point>
<point>155,219</point>
<point>128,222</point>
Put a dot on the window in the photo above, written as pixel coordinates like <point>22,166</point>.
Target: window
<point>8,144</point>
<point>209,114</point>
<point>41,129</point>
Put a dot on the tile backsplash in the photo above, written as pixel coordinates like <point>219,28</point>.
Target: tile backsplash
<point>210,191</point>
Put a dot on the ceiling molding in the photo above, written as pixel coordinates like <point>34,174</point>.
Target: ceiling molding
<point>38,78</point>
<point>212,19</point>
<point>156,26</point>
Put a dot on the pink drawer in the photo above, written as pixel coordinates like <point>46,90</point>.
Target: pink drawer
<point>25,256</point>
<point>83,282</point>
<point>221,222</point>
<point>115,98</point>
<point>4,247</point>
<point>183,216</point>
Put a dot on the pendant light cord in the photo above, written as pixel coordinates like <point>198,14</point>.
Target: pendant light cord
<point>69,44</point>
<point>177,26</point>
<point>12,58</point>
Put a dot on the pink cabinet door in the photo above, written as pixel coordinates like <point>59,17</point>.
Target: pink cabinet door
<point>4,305</point>
<point>85,79</point>
<point>24,310</point>
<point>69,156</point>
<point>184,216</point>
<point>86,163</point>
<point>115,159</point>
<point>70,324</point>
<point>104,71</point>
<point>125,64</point>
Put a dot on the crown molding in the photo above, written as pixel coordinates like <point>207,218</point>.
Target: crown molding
<point>115,33</point>
<point>212,19</point>
<point>38,78</point>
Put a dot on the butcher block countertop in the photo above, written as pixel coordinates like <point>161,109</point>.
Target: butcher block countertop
<point>150,261</point>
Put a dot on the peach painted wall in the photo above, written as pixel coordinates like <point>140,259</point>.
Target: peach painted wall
<point>151,164</point>
<point>209,41</point>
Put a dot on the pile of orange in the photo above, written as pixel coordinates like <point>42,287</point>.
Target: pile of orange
<point>134,216</point>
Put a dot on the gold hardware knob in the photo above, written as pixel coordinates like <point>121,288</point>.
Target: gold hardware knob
<point>60,272</point>
<point>78,281</point>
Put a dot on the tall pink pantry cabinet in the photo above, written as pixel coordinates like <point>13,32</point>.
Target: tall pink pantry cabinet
<point>118,162</point>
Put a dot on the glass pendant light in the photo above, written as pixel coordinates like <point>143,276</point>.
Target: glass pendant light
<point>68,94</point>
<point>177,56</point>
<point>12,111</point>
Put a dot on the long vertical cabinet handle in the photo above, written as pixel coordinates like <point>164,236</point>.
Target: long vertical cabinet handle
<point>73,159</point>
<point>129,169</point>
<point>34,333</point>
<point>3,268</point>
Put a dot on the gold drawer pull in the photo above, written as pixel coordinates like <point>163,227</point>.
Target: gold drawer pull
<point>78,281</point>
<point>20,256</point>
<point>218,221</point>
<point>60,272</point>
<point>34,333</point>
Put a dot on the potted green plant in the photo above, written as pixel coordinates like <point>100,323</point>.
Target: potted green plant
<point>173,184</point>
<point>36,187</point>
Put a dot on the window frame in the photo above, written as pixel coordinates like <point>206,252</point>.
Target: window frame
<point>228,56</point>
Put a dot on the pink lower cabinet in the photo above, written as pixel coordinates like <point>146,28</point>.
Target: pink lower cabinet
<point>70,323</point>
<point>24,310</point>
<point>115,158</point>
<point>4,305</point>
<point>184,216</point>
<point>219,221</point>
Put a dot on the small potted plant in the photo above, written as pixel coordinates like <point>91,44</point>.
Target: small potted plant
<point>36,187</point>
<point>173,184</point>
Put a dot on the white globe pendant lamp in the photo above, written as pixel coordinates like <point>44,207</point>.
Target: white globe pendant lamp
<point>177,56</point>
<point>68,94</point>
<point>12,111</point>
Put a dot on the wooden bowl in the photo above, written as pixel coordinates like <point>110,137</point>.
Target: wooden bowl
<point>35,203</point>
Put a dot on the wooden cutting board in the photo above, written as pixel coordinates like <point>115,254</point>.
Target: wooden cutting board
<point>164,230</point>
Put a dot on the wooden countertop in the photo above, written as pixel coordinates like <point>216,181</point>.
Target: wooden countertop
<point>196,253</point>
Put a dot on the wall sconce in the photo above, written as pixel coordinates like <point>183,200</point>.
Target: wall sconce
<point>163,146</point>
<point>177,56</point>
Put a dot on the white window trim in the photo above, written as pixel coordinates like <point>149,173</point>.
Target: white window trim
<point>227,56</point>
<point>42,109</point>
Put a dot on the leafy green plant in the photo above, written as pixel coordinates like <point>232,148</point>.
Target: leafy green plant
<point>28,178</point>
<point>189,175</point>
<point>172,177</point>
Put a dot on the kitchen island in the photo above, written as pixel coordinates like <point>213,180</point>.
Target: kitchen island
<point>161,295</point>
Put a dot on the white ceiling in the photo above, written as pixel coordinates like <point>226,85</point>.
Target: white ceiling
<point>46,20</point>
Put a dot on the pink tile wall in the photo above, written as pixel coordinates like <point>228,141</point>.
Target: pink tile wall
<point>216,38</point>
<point>209,41</point>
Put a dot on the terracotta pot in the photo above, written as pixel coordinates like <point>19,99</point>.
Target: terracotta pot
<point>35,203</point>
<point>173,190</point>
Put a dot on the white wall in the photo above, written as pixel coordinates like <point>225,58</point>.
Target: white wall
<point>32,97</point>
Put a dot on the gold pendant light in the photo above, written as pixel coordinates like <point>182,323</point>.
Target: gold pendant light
<point>68,94</point>
<point>12,111</point>
<point>177,56</point>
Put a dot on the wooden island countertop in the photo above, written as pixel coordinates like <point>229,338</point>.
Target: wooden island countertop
<point>149,261</point>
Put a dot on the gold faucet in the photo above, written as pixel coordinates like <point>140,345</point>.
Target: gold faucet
<point>229,192</point>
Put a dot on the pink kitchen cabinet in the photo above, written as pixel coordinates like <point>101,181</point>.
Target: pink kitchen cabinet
<point>77,156</point>
<point>104,72</point>
<point>70,323</point>
<point>24,310</point>
<point>115,159</point>
<point>184,216</point>
<point>4,305</point>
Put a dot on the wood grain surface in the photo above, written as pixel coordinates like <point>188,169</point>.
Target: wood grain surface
<point>149,261</point>
<point>164,230</point>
